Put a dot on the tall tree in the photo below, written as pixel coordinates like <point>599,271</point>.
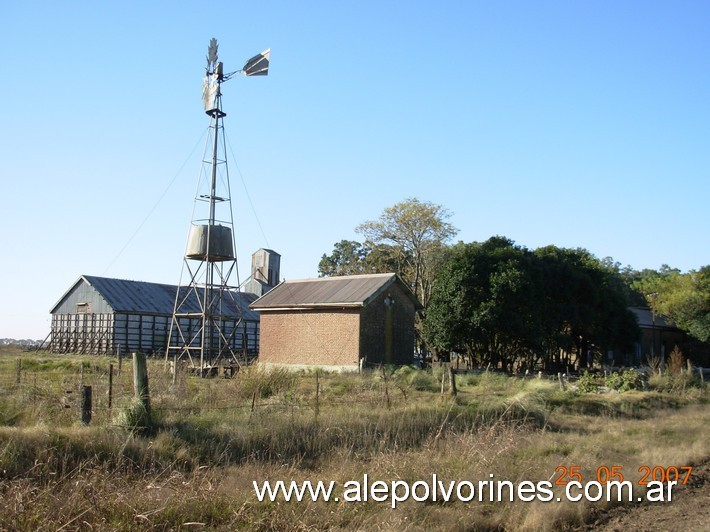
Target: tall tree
<point>352,258</point>
<point>348,258</point>
<point>484,303</point>
<point>418,231</point>
<point>503,304</point>
<point>684,298</point>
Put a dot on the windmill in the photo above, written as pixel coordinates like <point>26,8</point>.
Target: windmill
<point>206,322</point>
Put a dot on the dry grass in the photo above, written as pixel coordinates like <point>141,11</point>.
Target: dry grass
<point>212,438</point>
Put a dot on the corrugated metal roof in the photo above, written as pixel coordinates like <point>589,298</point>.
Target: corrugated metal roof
<point>139,297</point>
<point>646,319</point>
<point>345,291</point>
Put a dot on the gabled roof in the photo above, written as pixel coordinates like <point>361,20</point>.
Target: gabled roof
<point>342,291</point>
<point>140,297</point>
<point>647,320</point>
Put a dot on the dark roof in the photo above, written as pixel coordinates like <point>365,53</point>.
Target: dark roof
<point>269,251</point>
<point>342,291</point>
<point>139,297</point>
<point>647,320</point>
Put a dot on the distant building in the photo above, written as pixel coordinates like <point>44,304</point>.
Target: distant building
<point>100,315</point>
<point>265,271</point>
<point>658,336</point>
<point>337,322</point>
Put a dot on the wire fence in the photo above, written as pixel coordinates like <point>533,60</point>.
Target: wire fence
<point>57,391</point>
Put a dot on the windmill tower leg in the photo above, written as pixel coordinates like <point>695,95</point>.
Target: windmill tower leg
<point>207,321</point>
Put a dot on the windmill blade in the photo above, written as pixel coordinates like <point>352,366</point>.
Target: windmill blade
<point>209,92</point>
<point>258,65</point>
<point>212,53</point>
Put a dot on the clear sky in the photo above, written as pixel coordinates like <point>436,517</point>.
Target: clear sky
<point>576,123</point>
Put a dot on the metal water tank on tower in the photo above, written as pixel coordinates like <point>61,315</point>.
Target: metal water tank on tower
<point>265,271</point>
<point>210,242</point>
<point>207,321</point>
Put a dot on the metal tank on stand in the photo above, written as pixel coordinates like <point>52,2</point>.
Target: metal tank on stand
<point>205,326</point>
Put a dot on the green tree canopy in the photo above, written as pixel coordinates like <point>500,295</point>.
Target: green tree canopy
<point>503,303</point>
<point>684,298</point>
<point>348,258</point>
<point>352,258</point>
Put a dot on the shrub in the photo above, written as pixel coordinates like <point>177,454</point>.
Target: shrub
<point>613,381</point>
<point>625,380</point>
<point>588,383</point>
<point>632,380</point>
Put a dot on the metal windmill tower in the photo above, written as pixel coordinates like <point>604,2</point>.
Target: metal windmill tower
<point>206,316</point>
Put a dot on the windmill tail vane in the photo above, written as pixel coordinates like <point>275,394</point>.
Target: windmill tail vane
<point>258,65</point>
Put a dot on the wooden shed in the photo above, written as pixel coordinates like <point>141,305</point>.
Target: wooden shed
<point>101,315</point>
<point>337,323</point>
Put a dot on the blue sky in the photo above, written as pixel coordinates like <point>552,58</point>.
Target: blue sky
<point>573,123</point>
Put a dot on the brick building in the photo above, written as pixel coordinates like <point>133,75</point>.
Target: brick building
<point>337,322</point>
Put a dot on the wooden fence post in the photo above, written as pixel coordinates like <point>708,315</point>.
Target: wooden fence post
<point>253,403</point>
<point>317,394</point>
<point>385,379</point>
<point>18,367</point>
<point>562,382</point>
<point>120,358</point>
<point>110,385</point>
<point>452,378</point>
<point>140,380</point>
<point>86,405</point>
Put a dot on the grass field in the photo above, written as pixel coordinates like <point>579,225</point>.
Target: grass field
<point>194,463</point>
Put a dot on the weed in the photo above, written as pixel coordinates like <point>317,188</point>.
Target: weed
<point>135,417</point>
<point>676,361</point>
<point>673,382</point>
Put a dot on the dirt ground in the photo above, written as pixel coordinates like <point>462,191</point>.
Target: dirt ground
<point>689,511</point>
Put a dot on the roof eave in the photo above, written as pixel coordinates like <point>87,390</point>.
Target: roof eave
<point>313,306</point>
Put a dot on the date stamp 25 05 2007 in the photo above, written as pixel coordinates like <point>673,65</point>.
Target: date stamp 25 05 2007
<point>658,482</point>
<point>605,474</point>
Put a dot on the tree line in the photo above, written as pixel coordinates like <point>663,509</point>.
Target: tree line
<point>502,305</point>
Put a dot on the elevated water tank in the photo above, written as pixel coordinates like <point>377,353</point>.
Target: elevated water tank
<point>220,243</point>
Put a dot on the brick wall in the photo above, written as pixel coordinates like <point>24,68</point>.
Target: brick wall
<point>326,338</point>
<point>373,336</point>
